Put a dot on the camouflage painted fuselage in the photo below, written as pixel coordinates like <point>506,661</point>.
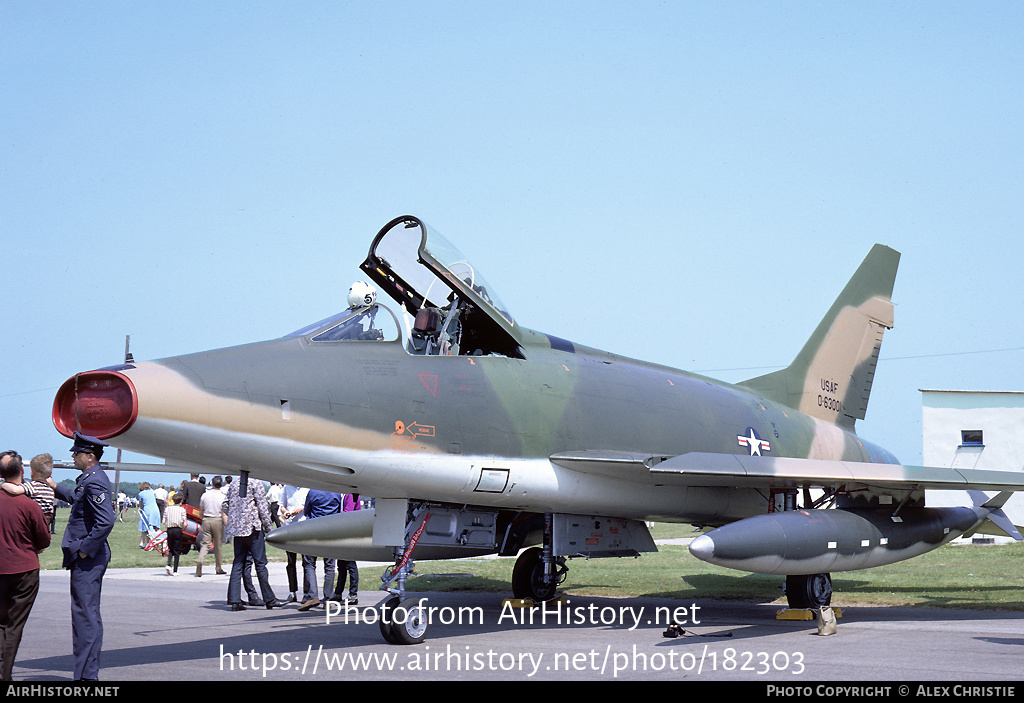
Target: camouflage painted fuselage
<point>370,417</point>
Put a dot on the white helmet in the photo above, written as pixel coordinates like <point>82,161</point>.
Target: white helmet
<point>361,295</point>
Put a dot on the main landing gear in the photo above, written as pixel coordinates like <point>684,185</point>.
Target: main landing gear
<point>809,591</point>
<point>533,579</point>
<point>538,572</point>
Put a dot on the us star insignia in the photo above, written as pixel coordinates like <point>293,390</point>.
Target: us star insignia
<point>754,443</point>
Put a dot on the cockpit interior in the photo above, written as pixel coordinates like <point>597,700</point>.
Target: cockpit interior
<point>447,308</point>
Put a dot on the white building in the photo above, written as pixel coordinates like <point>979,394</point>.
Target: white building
<point>974,430</point>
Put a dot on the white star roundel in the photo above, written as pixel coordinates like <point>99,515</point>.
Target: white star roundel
<point>753,442</point>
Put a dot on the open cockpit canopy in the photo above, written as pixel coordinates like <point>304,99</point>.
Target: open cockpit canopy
<point>455,311</point>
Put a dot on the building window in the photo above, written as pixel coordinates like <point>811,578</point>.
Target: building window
<point>972,438</point>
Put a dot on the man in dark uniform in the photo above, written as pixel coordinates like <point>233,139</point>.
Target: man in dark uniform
<point>86,552</point>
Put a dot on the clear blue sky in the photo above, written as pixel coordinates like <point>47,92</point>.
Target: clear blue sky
<point>690,183</point>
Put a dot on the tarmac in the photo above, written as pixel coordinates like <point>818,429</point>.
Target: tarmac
<point>167,628</point>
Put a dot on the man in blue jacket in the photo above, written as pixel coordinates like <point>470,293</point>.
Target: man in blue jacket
<point>86,552</point>
<point>318,504</point>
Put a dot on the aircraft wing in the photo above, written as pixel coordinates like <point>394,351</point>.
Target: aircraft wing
<point>708,469</point>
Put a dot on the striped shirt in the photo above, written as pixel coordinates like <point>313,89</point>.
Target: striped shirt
<point>174,516</point>
<point>40,492</point>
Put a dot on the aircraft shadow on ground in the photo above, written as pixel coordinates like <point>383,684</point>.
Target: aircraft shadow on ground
<point>766,589</point>
<point>747,588</point>
<point>1012,641</point>
<point>953,596</point>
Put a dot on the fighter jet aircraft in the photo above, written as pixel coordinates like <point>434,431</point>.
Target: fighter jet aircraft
<point>476,435</point>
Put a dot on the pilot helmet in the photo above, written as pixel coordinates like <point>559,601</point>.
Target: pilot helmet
<point>361,294</point>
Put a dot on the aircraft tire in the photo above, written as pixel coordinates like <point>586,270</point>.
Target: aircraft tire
<point>528,577</point>
<point>386,621</point>
<point>410,624</point>
<point>809,591</point>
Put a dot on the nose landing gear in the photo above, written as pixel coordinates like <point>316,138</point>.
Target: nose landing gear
<point>404,620</point>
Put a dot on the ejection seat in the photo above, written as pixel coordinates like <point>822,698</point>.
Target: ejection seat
<point>423,339</point>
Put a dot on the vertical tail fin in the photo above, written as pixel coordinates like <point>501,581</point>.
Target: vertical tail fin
<point>831,377</point>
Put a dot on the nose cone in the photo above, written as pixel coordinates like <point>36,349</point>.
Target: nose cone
<point>102,404</point>
<point>703,547</point>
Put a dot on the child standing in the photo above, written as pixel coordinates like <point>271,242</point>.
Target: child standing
<point>174,520</point>
<point>38,489</point>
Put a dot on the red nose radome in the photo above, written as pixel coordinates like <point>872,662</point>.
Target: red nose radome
<point>102,404</point>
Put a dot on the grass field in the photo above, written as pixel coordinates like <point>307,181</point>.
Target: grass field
<point>967,576</point>
<point>124,549</point>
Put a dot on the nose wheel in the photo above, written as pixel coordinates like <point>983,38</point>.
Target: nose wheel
<point>403,621</point>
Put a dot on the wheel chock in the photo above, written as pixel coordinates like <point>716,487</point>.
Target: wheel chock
<point>802,613</point>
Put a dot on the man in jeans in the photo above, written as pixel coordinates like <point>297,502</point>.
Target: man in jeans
<point>350,502</point>
<point>248,521</point>
<point>319,504</point>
